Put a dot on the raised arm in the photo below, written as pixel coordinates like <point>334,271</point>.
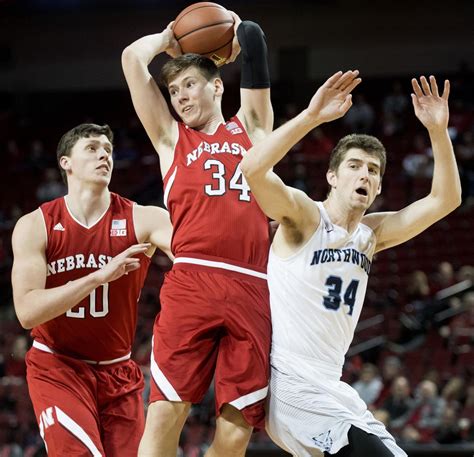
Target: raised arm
<point>34,304</point>
<point>289,206</point>
<point>432,110</point>
<point>149,103</point>
<point>256,112</point>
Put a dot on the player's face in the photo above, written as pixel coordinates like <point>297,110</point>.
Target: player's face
<point>90,160</point>
<point>357,181</point>
<point>194,98</point>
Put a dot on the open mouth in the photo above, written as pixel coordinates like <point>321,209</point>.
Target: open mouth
<point>362,191</point>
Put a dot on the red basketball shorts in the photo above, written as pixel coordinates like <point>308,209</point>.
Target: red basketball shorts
<point>213,324</point>
<point>83,409</point>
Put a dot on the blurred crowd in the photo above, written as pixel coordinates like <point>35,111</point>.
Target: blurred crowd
<point>413,367</point>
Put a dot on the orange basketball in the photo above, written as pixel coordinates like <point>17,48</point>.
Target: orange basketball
<point>205,28</point>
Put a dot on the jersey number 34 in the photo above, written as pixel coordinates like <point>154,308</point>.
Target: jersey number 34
<point>333,299</point>
<point>219,185</point>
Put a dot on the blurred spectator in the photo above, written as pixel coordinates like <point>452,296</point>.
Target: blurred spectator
<point>424,417</point>
<point>448,432</point>
<point>419,162</point>
<point>391,369</point>
<point>15,365</point>
<point>360,118</point>
<point>399,402</point>
<point>443,276</point>
<point>369,384</point>
<point>394,107</point>
<point>52,187</point>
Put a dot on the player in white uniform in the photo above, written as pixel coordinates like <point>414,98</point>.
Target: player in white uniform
<point>319,264</point>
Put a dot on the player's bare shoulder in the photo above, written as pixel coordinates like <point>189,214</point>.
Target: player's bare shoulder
<point>30,230</point>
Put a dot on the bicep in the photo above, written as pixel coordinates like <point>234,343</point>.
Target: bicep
<point>279,201</point>
<point>29,260</point>
<point>256,110</point>
<point>394,228</point>
<point>153,225</point>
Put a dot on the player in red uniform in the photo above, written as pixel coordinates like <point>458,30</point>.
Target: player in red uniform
<point>79,265</point>
<point>214,319</point>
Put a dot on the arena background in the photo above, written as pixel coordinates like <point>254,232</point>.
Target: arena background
<point>60,66</point>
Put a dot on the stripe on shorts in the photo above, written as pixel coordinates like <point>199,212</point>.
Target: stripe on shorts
<point>250,399</point>
<point>73,427</point>
<point>160,379</point>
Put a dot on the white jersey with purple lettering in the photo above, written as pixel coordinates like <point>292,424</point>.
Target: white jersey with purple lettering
<point>316,297</point>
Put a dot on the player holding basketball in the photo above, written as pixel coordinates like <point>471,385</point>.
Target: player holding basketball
<point>319,264</point>
<point>214,320</point>
<point>79,265</point>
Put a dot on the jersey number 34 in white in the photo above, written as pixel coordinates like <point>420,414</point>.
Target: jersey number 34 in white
<point>80,312</point>
<point>218,187</point>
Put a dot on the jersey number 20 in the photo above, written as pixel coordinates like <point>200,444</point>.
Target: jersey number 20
<point>218,187</point>
<point>333,299</point>
<point>80,313</point>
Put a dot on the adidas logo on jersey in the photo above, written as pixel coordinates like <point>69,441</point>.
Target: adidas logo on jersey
<point>59,227</point>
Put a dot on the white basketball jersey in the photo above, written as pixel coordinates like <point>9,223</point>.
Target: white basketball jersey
<point>316,298</point>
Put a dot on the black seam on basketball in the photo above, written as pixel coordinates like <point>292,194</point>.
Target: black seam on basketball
<point>198,8</point>
<point>204,27</point>
<point>214,50</point>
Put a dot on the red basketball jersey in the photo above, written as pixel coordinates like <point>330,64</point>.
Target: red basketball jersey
<point>101,326</point>
<point>213,212</point>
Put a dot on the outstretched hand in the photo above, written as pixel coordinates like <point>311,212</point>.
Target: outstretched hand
<point>430,108</point>
<point>122,263</point>
<point>333,99</point>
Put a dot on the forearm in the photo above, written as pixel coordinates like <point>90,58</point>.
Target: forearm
<point>38,306</point>
<point>146,48</point>
<point>446,184</point>
<point>266,154</point>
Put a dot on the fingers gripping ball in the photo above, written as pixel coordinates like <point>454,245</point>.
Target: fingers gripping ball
<point>205,28</point>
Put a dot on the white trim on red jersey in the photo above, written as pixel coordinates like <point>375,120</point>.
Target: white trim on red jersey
<point>223,265</point>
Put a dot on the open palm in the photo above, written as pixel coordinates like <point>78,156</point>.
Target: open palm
<point>430,108</point>
<point>333,99</point>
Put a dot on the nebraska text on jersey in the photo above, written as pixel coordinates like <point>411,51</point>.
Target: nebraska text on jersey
<point>73,262</point>
<point>215,148</point>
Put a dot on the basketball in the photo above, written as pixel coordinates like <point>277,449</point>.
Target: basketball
<point>205,28</point>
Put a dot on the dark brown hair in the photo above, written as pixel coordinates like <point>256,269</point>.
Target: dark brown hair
<point>70,138</point>
<point>367,143</point>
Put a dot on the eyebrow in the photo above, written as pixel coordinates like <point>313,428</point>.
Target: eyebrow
<point>182,81</point>
<point>94,141</point>
<point>360,161</point>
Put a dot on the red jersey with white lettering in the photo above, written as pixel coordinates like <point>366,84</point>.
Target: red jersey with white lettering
<point>102,326</point>
<point>214,215</point>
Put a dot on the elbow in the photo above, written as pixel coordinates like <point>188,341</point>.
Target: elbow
<point>129,56</point>
<point>25,318</point>
<point>26,322</point>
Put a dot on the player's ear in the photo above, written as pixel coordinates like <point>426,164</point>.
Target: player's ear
<point>218,87</point>
<point>331,178</point>
<point>64,163</point>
